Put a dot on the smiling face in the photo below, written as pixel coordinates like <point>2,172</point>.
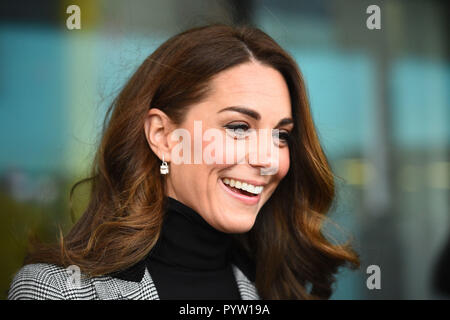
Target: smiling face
<point>245,97</point>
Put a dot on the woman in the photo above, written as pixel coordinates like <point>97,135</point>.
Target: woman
<point>232,210</point>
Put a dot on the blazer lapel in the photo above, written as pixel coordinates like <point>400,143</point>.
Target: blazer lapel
<point>246,288</point>
<point>109,288</point>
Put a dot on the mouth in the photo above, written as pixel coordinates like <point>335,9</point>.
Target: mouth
<point>242,190</point>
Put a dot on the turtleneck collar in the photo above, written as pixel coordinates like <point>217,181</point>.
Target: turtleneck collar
<point>188,242</point>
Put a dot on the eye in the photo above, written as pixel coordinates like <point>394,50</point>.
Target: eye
<point>281,137</point>
<point>237,130</point>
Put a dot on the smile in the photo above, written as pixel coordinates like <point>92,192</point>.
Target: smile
<point>241,185</point>
<point>241,190</point>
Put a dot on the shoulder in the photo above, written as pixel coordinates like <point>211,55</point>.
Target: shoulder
<point>36,281</point>
<point>43,281</point>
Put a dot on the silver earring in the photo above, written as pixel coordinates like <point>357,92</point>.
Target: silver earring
<point>164,168</point>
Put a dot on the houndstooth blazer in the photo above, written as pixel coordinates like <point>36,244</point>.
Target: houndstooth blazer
<point>50,282</point>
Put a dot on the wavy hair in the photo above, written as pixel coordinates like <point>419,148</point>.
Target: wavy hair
<point>292,256</point>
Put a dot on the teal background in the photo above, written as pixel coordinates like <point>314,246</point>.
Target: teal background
<point>379,98</point>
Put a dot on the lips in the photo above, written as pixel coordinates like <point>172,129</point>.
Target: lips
<point>252,187</point>
<point>240,191</point>
<point>240,195</point>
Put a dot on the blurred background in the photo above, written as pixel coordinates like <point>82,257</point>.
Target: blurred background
<point>380,101</point>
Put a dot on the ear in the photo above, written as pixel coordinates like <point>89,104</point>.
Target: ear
<point>158,128</point>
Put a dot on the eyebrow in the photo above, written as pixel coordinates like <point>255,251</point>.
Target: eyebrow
<point>255,115</point>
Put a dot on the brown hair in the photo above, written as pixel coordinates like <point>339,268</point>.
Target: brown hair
<point>124,215</point>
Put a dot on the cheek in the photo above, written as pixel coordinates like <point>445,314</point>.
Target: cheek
<point>218,150</point>
<point>284,163</point>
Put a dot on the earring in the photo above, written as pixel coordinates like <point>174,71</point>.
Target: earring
<point>164,168</point>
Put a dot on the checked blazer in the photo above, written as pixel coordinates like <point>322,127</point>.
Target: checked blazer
<point>42,281</point>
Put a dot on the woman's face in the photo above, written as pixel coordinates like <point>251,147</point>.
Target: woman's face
<point>262,97</point>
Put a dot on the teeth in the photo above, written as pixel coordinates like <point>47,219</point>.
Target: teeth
<point>243,186</point>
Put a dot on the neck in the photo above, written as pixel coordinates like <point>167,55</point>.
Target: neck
<point>188,242</point>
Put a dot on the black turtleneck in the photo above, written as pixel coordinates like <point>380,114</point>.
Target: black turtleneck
<point>191,259</point>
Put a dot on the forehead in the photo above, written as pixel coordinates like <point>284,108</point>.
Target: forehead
<point>251,85</point>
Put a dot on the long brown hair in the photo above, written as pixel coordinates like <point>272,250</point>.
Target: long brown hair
<point>293,258</point>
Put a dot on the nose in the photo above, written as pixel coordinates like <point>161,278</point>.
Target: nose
<point>263,152</point>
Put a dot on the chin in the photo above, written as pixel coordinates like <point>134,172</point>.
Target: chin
<point>238,225</point>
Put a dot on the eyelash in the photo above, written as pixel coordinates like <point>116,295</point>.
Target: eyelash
<point>283,135</point>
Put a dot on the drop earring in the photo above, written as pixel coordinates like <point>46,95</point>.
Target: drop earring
<point>164,168</point>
